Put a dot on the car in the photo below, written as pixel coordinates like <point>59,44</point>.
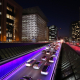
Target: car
<point>53,55</point>
<point>51,49</point>
<point>30,62</point>
<point>47,47</point>
<point>37,65</point>
<point>54,45</point>
<point>51,59</point>
<point>54,50</point>
<point>45,69</point>
<point>26,78</point>
<point>44,51</point>
<point>44,58</point>
<point>48,52</point>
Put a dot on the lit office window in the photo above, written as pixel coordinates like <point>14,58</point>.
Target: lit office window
<point>11,17</point>
<point>7,15</point>
<point>7,8</point>
<point>0,3</point>
<point>10,9</point>
<point>0,32</point>
<point>6,34</point>
<point>10,40</point>
<point>10,35</point>
<point>0,13</point>
<point>10,24</point>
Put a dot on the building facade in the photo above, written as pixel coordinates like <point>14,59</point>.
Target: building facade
<point>53,33</point>
<point>34,24</point>
<point>75,31</point>
<point>10,21</point>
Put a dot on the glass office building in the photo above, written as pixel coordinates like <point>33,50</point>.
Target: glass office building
<point>53,33</point>
<point>75,30</point>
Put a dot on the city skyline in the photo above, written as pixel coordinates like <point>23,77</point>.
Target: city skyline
<point>59,13</point>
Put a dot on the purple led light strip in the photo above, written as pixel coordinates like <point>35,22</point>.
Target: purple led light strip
<point>21,58</point>
<point>57,55</point>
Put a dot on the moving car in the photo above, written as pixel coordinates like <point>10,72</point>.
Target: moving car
<point>51,59</point>
<point>44,51</point>
<point>47,47</point>
<point>30,62</point>
<point>26,78</point>
<point>48,52</point>
<point>54,50</point>
<point>37,65</point>
<point>45,69</point>
<point>51,49</point>
<point>44,58</point>
<point>53,55</point>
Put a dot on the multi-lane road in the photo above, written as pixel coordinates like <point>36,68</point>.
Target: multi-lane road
<point>36,73</point>
<point>76,48</point>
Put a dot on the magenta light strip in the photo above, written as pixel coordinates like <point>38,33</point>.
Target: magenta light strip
<point>14,72</point>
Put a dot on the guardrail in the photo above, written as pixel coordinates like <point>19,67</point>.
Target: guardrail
<point>56,63</point>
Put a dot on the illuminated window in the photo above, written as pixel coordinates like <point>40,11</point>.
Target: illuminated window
<point>52,29</point>
<point>0,13</point>
<point>10,35</point>
<point>0,3</point>
<point>10,23</point>
<point>11,17</point>
<point>10,9</point>
<point>49,39</point>
<point>7,8</point>
<point>10,40</point>
<point>0,27</point>
<point>6,34</point>
<point>7,15</point>
<point>0,32</point>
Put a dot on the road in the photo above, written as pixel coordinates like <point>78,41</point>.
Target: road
<point>35,74</point>
<point>76,48</point>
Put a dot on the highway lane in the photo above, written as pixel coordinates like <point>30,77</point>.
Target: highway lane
<point>76,48</point>
<point>35,74</point>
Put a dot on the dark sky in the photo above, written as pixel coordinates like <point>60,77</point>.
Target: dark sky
<point>59,12</point>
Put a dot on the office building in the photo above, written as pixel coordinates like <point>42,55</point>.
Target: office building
<point>53,33</point>
<point>10,21</point>
<point>75,31</point>
<point>34,24</point>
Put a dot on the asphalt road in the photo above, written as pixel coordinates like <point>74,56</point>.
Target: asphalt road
<point>76,48</point>
<point>35,74</point>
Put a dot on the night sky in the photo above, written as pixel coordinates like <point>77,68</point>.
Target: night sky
<point>59,12</point>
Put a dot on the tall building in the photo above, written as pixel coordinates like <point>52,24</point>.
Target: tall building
<point>34,24</point>
<point>75,30</point>
<point>53,33</point>
<point>10,21</point>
